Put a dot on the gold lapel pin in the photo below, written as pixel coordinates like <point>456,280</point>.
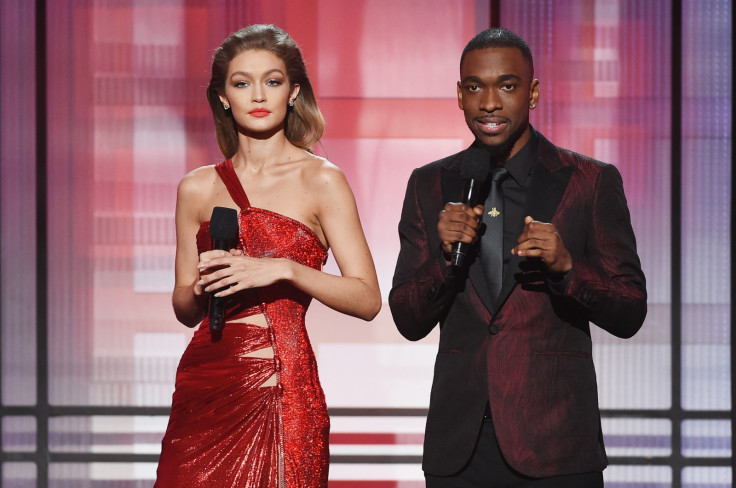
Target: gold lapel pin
<point>494,212</point>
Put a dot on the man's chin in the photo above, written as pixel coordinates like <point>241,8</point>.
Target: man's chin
<point>498,150</point>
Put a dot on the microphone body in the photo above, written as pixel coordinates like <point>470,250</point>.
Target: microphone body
<point>476,168</point>
<point>460,250</point>
<point>224,233</point>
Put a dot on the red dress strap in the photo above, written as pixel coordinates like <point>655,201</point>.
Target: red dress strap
<point>232,183</point>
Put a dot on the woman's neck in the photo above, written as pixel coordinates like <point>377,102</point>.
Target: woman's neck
<point>256,154</point>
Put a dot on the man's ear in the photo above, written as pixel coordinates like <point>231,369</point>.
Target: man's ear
<point>534,93</point>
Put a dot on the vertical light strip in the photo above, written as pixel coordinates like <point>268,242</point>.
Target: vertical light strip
<point>18,210</point>
<point>733,255</point>
<point>706,161</point>
<point>18,270</point>
<point>706,217</point>
<point>676,239</point>
<point>42,384</point>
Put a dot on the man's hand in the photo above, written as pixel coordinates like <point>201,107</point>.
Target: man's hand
<point>541,240</point>
<point>458,223</point>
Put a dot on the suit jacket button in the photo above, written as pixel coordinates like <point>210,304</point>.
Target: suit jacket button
<point>493,330</point>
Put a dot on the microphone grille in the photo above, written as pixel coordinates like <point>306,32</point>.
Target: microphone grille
<point>224,224</point>
<point>476,164</point>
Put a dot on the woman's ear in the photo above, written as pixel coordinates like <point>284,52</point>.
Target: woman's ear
<point>225,103</point>
<point>294,93</point>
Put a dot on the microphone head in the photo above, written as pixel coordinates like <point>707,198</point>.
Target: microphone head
<point>224,224</point>
<point>476,164</point>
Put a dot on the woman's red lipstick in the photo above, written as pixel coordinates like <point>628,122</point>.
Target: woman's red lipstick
<point>259,112</point>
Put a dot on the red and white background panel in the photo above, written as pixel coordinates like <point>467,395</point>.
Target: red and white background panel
<point>127,118</point>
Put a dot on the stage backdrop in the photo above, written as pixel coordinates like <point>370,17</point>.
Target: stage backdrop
<point>126,117</point>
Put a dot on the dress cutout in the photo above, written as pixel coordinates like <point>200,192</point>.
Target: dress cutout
<point>225,429</point>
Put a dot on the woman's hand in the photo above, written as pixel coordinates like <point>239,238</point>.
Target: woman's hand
<point>203,258</point>
<point>230,272</point>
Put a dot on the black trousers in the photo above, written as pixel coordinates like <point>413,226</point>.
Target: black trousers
<point>488,469</point>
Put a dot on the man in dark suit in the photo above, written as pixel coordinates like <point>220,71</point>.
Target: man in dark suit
<point>514,397</point>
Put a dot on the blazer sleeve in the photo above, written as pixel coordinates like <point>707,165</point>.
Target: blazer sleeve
<point>420,295</point>
<point>608,280</point>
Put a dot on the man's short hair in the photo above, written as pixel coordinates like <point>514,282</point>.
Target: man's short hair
<point>498,37</point>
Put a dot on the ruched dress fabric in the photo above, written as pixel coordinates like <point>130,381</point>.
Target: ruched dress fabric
<point>225,429</point>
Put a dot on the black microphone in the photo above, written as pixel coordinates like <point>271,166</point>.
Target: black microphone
<point>475,171</point>
<point>224,233</point>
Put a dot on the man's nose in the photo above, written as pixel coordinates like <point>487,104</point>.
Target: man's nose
<point>490,101</point>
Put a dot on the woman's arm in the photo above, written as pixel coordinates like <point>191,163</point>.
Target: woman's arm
<point>356,292</point>
<point>188,299</point>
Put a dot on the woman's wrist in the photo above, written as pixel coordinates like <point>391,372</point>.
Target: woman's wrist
<point>288,271</point>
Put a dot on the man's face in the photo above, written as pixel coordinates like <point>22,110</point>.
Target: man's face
<point>496,91</point>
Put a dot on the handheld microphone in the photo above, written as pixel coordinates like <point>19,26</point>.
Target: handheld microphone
<point>224,233</point>
<point>476,168</point>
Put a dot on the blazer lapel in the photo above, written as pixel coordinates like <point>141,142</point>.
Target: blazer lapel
<point>452,185</point>
<point>549,180</point>
<point>478,279</point>
<point>545,192</point>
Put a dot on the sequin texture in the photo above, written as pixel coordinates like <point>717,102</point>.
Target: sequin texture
<point>225,429</point>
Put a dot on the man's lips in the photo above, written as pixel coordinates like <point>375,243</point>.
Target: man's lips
<point>491,125</point>
<point>259,112</point>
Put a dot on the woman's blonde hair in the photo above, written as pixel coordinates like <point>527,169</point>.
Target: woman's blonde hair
<point>304,123</point>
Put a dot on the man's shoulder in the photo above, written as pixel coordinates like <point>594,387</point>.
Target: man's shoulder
<point>567,157</point>
<point>576,158</point>
<point>451,162</point>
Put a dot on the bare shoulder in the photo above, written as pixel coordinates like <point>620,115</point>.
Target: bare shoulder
<point>323,176</point>
<point>196,192</point>
<point>198,182</point>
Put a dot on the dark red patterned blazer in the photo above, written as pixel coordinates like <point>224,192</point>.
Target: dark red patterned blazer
<point>529,354</point>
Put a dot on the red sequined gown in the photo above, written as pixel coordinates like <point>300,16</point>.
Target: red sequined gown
<point>225,429</point>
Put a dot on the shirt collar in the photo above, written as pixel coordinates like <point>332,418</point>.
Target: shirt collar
<point>520,164</point>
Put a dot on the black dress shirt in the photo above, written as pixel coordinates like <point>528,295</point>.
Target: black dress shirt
<point>515,189</point>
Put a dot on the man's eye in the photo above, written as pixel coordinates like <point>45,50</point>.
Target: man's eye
<point>508,86</point>
<point>473,88</point>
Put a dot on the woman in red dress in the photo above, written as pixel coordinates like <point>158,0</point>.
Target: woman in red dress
<point>248,409</point>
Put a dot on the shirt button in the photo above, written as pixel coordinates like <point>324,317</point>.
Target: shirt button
<point>493,330</point>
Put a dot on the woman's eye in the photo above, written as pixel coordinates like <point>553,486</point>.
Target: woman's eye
<point>241,84</point>
<point>273,82</point>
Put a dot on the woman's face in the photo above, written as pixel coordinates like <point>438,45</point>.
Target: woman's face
<point>258,92</point>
